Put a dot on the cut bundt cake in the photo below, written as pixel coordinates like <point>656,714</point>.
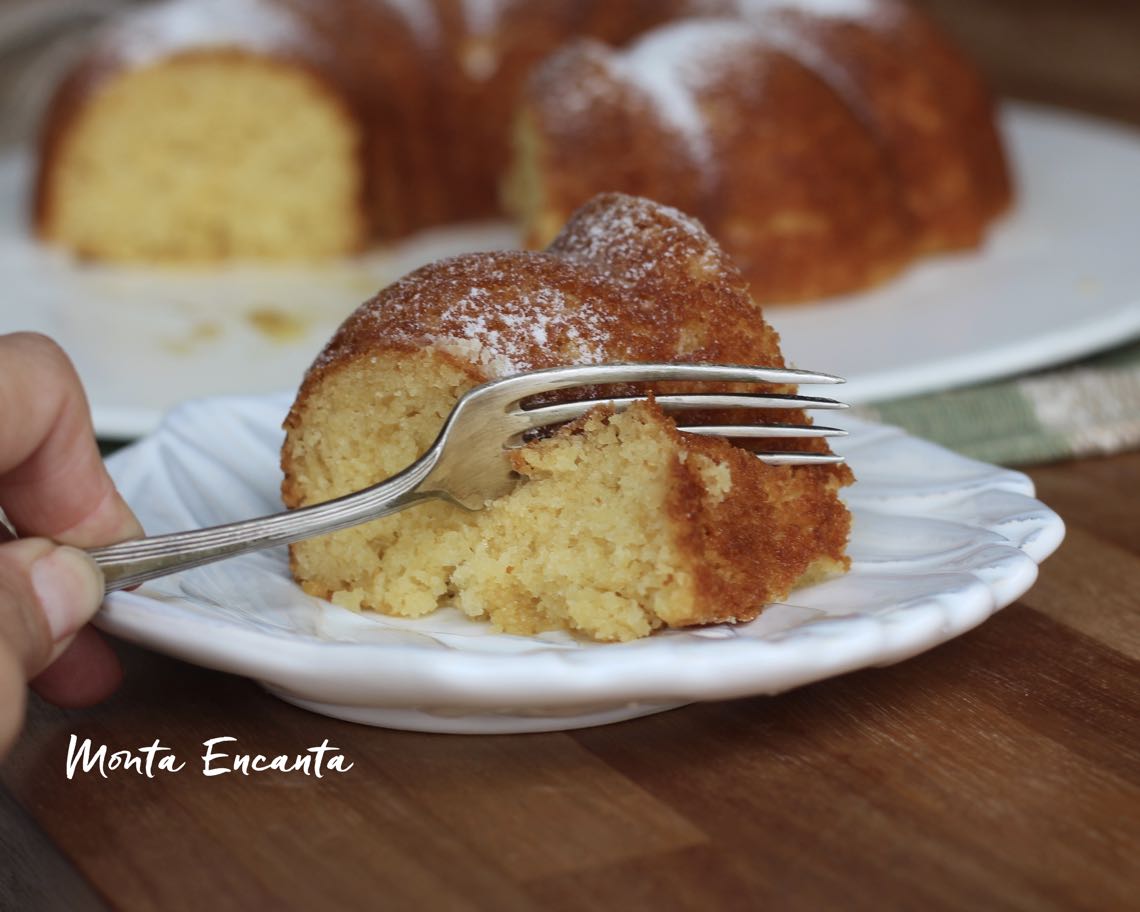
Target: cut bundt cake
<point>824,142</point>
<point>619,523</point>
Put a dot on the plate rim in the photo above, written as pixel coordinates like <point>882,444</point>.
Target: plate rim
<point>586,675</point>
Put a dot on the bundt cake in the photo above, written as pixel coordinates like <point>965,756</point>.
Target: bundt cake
<point>619,524</point>
<point>828,139</point>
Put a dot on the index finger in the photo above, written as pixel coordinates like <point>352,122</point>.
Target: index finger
<point>52,479</point>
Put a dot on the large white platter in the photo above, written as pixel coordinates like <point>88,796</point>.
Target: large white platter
<point>939,543</point>
<point>1058,278</point>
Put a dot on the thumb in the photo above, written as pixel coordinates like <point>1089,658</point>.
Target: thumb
<point>47,592</point>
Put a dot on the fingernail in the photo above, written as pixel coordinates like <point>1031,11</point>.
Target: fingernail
<point>130,528</point>
<point>69,587</point>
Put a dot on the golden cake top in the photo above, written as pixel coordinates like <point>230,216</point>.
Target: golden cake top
<point>626,280</point>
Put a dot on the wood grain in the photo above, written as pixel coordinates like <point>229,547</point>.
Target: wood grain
<point>999,771</point>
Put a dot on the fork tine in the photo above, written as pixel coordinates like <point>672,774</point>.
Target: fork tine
<point>798,459</point>
<point>557,378</point>
<point>784,431</point>
<point>567,411</point>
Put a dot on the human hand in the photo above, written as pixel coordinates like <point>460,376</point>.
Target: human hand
<point>56,493</point>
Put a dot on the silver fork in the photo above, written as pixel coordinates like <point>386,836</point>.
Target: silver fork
<point>466,464</point>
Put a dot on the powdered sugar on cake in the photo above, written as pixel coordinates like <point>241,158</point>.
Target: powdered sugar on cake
<point>484,310</point>
<point>153,34</point>
<point>794,38</point>
<point>673,64</point>
<point>627,279</point>
<point>618,235</point>
<point>483,16</point>
<point>503,340</point>
<point>422,18</point>
<point>863,10</point>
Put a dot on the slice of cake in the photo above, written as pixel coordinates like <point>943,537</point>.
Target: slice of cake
<point>619,524</point>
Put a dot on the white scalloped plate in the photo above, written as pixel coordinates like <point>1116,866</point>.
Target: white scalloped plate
<point>939,543</point>
<point>1057,278</point>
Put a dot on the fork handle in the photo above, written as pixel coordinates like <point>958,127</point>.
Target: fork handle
<point>133,562</point>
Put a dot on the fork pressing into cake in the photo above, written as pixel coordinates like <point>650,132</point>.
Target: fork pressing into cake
<point>467,463</point>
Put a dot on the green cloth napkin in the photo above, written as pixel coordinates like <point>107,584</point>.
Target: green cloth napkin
<point>1082,409</point>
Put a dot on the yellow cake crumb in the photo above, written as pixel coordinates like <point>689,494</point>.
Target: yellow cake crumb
<point>208,156</point>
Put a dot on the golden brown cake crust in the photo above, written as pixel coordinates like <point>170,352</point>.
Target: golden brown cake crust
<point>824,146</point>
<point>625,280</point>
<point>926,101</point>
<point>751,549</point>
<point>787,178</point>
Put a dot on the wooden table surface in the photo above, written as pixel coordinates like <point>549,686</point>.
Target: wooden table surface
<point>999,771</point>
